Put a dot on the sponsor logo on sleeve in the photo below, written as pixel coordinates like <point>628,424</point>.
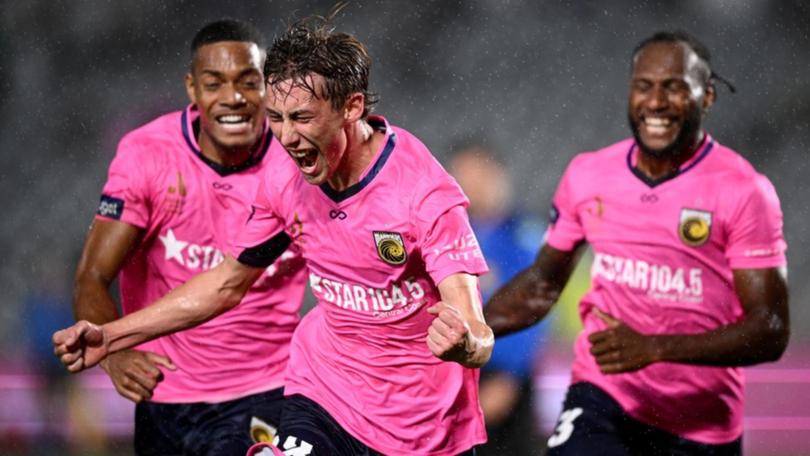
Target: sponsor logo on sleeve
<point>390,247</point>
<point>111,207</point>
<point>765,252</point>
<point>695,227</point>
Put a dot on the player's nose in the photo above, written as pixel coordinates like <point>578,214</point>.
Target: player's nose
<point>289,137</point>
<point>231,95</point>
<point>657,99</point>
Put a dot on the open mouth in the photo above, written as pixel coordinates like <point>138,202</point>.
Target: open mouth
<point>657,126</point>
<point>235,123</point>
<point>306,159</point>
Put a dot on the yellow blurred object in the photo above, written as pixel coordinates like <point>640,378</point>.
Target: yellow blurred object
<point>568,322</point>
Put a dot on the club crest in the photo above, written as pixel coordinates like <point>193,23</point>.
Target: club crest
<point>261,431</point>
<point>390,247</point>
<point>695,227</point>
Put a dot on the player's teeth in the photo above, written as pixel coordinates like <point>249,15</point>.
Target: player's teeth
<point>231,119</point>
<point>655,121</point>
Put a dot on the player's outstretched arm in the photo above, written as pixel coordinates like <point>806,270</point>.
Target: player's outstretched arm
<point>134,373</point>
<point>202,298</point>
<point>528,297</point>
<point>459,333</point>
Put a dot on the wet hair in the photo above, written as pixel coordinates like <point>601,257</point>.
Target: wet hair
<point>312,46</point>
<point>700,49</point>
<point>226,30</point>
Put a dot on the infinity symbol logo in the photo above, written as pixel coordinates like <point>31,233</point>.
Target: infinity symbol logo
<point>219,186</point>
<point>340,215</point>
<point>649,198</point>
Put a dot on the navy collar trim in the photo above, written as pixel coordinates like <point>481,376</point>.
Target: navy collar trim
<point>338,196</point>
<point>652,183</point>
<point>256,157</point>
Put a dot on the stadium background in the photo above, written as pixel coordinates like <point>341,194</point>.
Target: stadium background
<point>540,80</point>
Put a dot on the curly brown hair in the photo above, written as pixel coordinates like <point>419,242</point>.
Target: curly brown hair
<point>311,45</point>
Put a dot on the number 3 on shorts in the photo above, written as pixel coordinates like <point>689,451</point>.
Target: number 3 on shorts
<point>565,428</point>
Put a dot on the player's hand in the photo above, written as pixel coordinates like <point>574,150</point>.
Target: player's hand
<point>81,346</point>
<point>134,373</point>
<point>448,336</point>
<point>619,348</point>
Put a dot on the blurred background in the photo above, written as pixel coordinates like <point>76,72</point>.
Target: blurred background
<point>529,83</point>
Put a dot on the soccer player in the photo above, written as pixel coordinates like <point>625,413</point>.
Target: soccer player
<point>387,361</point>
<point>178,189</point>
<point>689,272</point>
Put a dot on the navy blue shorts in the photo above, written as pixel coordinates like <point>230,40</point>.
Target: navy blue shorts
<point>592,422</point>
<point>309,430</point>
<point>200,428</point>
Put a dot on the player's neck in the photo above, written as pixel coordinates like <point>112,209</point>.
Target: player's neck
<point>657,167</point>
<point>363,142</point>
<point>221,155</point>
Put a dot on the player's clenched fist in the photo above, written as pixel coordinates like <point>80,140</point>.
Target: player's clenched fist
<point>80,346</point>
<point>451,338</point>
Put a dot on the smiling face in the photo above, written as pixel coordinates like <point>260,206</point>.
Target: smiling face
<point>669,95</point>
<point>309,127</point>
<point>227,86</point>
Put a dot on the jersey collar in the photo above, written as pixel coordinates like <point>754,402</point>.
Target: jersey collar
<point>190,121</point>
<point>703,150</point>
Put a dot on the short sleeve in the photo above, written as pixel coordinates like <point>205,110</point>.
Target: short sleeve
<point>262,239</point>
<point>755,238</point>
<point>446,239</point>
<point>125,196</point>
<point>565,230</point>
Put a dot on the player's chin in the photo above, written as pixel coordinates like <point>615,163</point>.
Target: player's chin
<point>314,173</point>
<point>658,147</point>
<point>238,140</point>
<point>316,179</point>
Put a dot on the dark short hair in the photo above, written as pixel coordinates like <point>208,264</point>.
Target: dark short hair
<point>312,45</point>
<point>680,36</point>
<point>226,30</point>
<point>675,36</point>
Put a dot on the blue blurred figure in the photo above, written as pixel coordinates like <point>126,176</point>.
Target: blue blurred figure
<point>509,239</point>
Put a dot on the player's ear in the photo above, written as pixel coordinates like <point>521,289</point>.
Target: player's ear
<point>353,108</point>
<point>192,96</point>
<point>709,97</point>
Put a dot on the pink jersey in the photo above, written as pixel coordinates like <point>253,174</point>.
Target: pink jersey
<point>375,253</point>
<point>663,259</point>
<point>189,208</point>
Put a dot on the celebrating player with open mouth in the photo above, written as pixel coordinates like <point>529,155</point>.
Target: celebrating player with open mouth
<point>387,360</point>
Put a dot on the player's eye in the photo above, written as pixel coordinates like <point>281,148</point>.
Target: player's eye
<point>677,86</point>
<point>252,84</point>
<point>302,119</point>
<point>641,86</point>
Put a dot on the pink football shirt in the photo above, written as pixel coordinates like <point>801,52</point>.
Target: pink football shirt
<point>375,253</point>
<point>663,259</point>
<point>189,208</point>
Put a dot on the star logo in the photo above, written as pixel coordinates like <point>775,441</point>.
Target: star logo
<point>174,247</point>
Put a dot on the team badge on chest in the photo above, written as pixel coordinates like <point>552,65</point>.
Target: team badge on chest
<point>390,247</point>
<point>695,227</point>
